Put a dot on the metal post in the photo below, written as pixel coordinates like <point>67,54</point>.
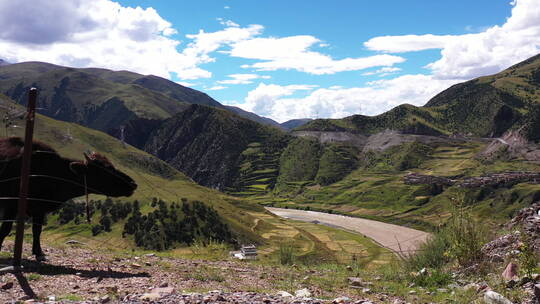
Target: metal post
<point>25,172</point>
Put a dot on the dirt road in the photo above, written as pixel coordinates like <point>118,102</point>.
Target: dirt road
<point>394,237</point>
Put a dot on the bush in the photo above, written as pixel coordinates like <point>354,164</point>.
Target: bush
<point>286,254</point>
<point>460,240</point>
<point>466,237</point>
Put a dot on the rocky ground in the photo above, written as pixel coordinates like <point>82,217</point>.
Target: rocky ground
<point>77,274</point>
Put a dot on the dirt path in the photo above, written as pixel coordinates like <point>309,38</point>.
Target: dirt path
<point>394,237</point>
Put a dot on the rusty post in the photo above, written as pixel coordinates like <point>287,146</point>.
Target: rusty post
<point>25,172</point>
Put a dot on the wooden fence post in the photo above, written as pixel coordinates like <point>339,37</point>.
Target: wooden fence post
<point>25,172</point>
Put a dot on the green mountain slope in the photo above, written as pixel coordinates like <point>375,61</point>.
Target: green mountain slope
<point>154,177</point>
<point>208,144</point>
<point>486,107</point>
<point>106,100</point>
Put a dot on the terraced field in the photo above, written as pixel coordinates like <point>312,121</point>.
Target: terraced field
<point>314,243</point>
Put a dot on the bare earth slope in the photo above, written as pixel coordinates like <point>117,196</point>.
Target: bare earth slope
<point>394,237</point>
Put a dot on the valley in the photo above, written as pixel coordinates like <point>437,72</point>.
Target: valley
<point>330,195</point>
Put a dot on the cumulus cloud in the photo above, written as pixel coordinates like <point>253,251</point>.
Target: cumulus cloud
<point>293,53</point>
<point>242,78</point>
<point>103,33</point>
<point>383,71</point>
<point>274,101</point>
<point>408,43</point>
<point>471,55</point>
<point>205,43</point>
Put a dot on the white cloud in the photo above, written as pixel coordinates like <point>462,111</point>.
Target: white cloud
<point>292,53</point>
<point>215,88</point>
<point>383,71</point>
<point>98,33</point>
<point>336,102</point>
<point>472,55</point>
<point>242,78</point>
<point>408,43</point>
<point>102,33</point>
<point>205,43</point>
<point>227,23</point>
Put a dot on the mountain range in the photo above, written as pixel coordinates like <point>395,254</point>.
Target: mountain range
<point>227,148</point>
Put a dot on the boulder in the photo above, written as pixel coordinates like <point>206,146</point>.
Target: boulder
<point>284,294</point>
<point>303,293</point>
<point>510,272</point>
<point>491,297</point>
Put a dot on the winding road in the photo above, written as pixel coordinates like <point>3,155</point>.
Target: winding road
<point>396,238</point>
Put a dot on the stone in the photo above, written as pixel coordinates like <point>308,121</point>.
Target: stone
<point>537,291</point>
<point>366,290</point>
<point>7,286</point>
<point>150,255</point>
<point>150,297</point>
<point>74,242</point>
<point>341,300</point>
<point>51,298</point>
<point>423,272</point>
<point>164,284</point>
<point>524,280</point>
<point>135,265</point>
<point>491,297</point>
<point>511,283</point>
<point>412,292</point>
<point>163,290</point>
<point>303,293</point>
<point>510,272</point>
<point>442,290</point>
<point>471,286</point>
<point>354,281</point>
<point>284,294</point>
<point>349,268</point>
<point>104,299</point>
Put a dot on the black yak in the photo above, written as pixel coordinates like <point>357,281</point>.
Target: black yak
<point>53,180</point>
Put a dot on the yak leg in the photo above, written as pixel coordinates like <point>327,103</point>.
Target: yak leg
<point>37,226</point>
<point>8,215</point>
<point>4,231</point>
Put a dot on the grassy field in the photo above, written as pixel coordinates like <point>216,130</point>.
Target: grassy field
<point>377,190</point>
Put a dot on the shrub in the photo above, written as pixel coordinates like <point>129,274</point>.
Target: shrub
<point>460,239</point>
<point>286,254</point>
<point>466,237</point>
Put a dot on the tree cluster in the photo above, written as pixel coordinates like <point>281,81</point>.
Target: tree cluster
<point>172,224</point>
<point>167,225</point>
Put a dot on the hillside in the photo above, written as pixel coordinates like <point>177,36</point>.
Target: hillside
<point>103,99</point>
<point>155,178</point>
<point>212,146</point>
<point>484,107</point>
<point>295,123</point>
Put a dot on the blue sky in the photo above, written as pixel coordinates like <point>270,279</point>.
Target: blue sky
<point>284,59</point>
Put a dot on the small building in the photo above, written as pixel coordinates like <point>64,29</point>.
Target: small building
<point>247,252</point>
